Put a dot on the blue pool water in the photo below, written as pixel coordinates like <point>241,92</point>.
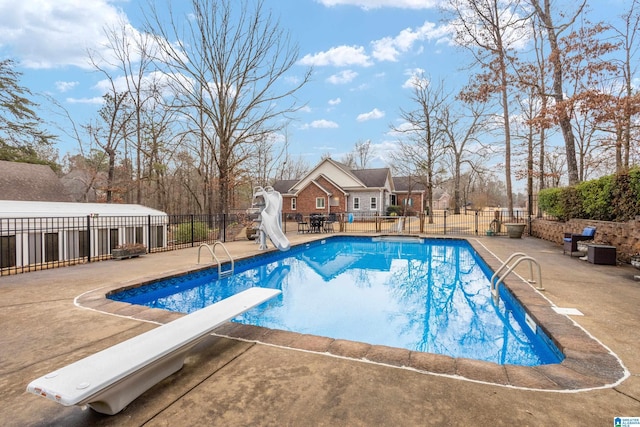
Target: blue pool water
<point>429,295</point>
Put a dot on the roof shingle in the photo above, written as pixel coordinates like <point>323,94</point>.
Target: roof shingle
<point>25,181</point>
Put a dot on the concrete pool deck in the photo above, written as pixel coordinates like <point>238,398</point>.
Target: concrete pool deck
<point>321,381</point>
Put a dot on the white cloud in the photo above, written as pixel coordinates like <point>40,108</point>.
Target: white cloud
<point>335,101</point>
<point>96,100</point>
<point>384,151</point>
<point>360,88</point>
<point>342,77</point>
<point>401,130</point>
<point>416,78</point>
<point>374,114</point>
<point>340,56</point>
<point>65,86</point>
<point>375,4</point>
<point>389,48</point>
<point>305,109</point>
<point>320,124</point>
<point>49,34</point>
<point>292,80</point>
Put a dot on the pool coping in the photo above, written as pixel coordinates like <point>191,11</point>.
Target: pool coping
<point>587,365</point>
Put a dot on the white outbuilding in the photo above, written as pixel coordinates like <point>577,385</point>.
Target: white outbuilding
<point>37,232</point>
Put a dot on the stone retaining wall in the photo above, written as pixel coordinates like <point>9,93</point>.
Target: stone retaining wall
<point>625,236</point>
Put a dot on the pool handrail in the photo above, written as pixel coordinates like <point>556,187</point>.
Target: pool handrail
<point>217,260</point>
<point>521,257</point>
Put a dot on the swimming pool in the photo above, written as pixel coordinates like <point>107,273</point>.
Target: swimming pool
<point>428,295</point>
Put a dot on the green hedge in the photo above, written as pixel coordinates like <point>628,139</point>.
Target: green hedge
<point>183,232</point>
<point>610,198</point>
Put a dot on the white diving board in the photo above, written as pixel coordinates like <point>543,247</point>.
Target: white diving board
<point>109,380</point>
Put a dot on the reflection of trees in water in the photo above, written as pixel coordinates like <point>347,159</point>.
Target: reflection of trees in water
<point>360,277</point>
<point>447,306</point>
<point>207,290</point>
<point>448,303</point>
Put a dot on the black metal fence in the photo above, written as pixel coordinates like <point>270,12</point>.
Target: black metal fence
<point>469,222</point>
<point>29,244</point>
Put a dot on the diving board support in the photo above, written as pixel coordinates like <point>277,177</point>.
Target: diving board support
<point>109,380</point>
<point>221,273</point>
<point>519,257</point>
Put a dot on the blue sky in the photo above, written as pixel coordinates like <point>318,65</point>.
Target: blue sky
<point>363,53</point>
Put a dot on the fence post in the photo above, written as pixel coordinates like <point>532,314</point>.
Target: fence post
<point>149,233</point>
<point>476,221</point>
<point>224,228</point>
<point>89,238</point>
<point>444,230</point>
<point>193,237</point>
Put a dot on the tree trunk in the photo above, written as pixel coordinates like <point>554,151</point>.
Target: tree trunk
<point>111,173</point>
<point>563,117</point>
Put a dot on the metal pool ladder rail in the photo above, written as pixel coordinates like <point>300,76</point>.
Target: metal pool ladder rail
<point>221,273</point>
<point>520,256</point>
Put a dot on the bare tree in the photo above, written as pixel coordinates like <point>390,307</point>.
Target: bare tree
<point>557,165</point>
<point>110,131</point>
<point>420,141</point>
<point>491,29</point>
<point>293,167</point>
<point>460,130</point>
<point>534,102</point>
<point>363,152</point>
<point>621,111</point>
<point>131,54</point>
<point>545,13</point>
<point>349,159</point>
<point>227,67</point>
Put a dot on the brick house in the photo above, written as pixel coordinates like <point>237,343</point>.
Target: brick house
<point>332,187</point>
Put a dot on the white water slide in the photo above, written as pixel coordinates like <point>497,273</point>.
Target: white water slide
<point>271,219</point>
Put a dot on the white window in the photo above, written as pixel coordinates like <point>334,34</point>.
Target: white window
<point>356,203</point>
<point>374,203</point>
<point>293,203</point>
<point>319,202</point>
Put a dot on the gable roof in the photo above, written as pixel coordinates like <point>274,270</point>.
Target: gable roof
<point>283,186</point>
<point>372,177</point>
<point>25,181</point>
<point>408,183</point>
<point>340,175</point>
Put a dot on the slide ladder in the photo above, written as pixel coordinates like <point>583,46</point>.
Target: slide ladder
<point>519,257</point>
<point>221,274</point>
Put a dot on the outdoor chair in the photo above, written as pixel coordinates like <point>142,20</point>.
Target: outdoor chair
<point>570,240</point>
<point>316,223</point>
<point>328,223</point>
<point>303,226</point>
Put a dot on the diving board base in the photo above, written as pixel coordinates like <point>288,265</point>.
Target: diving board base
<point>115,398</point>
